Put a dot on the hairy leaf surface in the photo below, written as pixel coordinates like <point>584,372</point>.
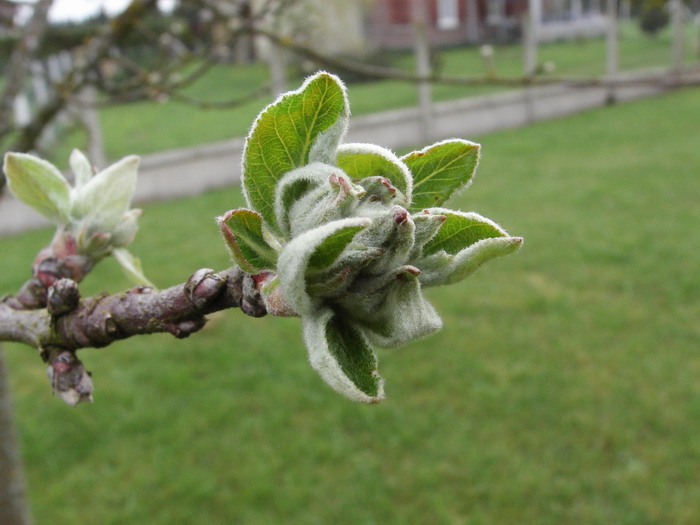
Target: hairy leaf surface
<point>243,233</point>
<point>299,127</point>
<point>440,170</point>
<point>38,184</point>
<point>342,356</point>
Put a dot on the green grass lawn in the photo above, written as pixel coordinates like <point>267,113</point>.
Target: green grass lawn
<point>563,390</point>
<point>146,127</point>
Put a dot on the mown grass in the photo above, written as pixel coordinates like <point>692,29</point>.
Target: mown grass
<point>563,389</point>
<point>146,127</point>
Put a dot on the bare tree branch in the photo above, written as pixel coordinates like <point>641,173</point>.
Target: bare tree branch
<point>91,53</point>
<point>68,323</point>
<point>17,70</point>
<point>680,78</point>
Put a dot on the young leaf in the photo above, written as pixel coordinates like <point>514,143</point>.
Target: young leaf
<point>243,233</point>
<point>331,201</point>
<point>341,355</point>
<point>427,224</point>
<point>38,184</point>
<point>441,170</point>
<point>81,167</point>
<point>393,232</point>
<point>310,252</point>
<point>299,127</point>
<point>460,230</point>
<point>404,315</point>
<point>131,266</point>
<point>312,195</point>
<point>360,161</point>
<point>442,268</point>
<point>103,200</point>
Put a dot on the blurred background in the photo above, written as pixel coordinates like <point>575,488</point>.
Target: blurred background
<point>564,386</point>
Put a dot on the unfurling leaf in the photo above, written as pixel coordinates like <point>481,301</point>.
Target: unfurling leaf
<point>126,230</point>
<point>440,170</point>
<point>360,161</point>
<point>293,187</point>
<point>317,245</point>
<point>460,230</point>
<point>404,314</point>
<point>341,355</point>
<point>102,201</point>
<point>243,233</point>
<point>427,224</point>
<point>81,167</point>
<point>131,266</point>
<point>393,233</point>
<point>442,268</point>
<point>300,127</point>
<point>464,242</point>
<point>38,184</point>
<point>330,200</point>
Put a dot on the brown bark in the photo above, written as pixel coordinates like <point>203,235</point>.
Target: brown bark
<point>69,324</point>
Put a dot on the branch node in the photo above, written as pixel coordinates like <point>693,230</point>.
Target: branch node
<point>204,286</point>
<point>68,376</point>
<point>186,328</point>
<point>63,297</point>
<point>252,302</point>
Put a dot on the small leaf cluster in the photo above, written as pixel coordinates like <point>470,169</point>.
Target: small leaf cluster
<point>346,236</point>
<point>93,217</point>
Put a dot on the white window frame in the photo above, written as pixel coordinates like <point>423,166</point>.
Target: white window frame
<point>447,14</point>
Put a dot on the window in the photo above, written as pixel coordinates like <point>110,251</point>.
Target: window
<point>448,14</point>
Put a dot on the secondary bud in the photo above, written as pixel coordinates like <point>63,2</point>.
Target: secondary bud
<point>63,297</point>
<point>69,379</point>
<point>203,286</point>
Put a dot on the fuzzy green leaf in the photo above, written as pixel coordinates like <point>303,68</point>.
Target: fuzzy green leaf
<point>341,355</point>
<point>313,195</point>
<point>360,161</point>
<point>442,268</point>
<point>126,230</point>
<point>102,201</point>
<point>393,232</point>
<point>322,245</point>
<point>330,249</point>
<point>293,186</point>
<point>38,184</point>
<point>460,230</point>
<point>441,170</point>
<point>404,314</point>
<point>300,127</point>
<point>243,233</point>
<point>81,167</point>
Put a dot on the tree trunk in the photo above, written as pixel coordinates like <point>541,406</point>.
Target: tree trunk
<point>13,504</point>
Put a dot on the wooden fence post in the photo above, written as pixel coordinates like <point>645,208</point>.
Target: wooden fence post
<point>423,67</point>
<point>678,36</point>
<point>531,30</point>
<point>612,46</point>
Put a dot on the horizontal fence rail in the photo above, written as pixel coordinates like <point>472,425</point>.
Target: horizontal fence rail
<point>190,171</point>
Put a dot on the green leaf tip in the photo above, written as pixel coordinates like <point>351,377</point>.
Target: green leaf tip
<point>38,184</point>
<point>441,170</point>
<point>243,232</point>
<point>299,127</point>
<point>360,161</point>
